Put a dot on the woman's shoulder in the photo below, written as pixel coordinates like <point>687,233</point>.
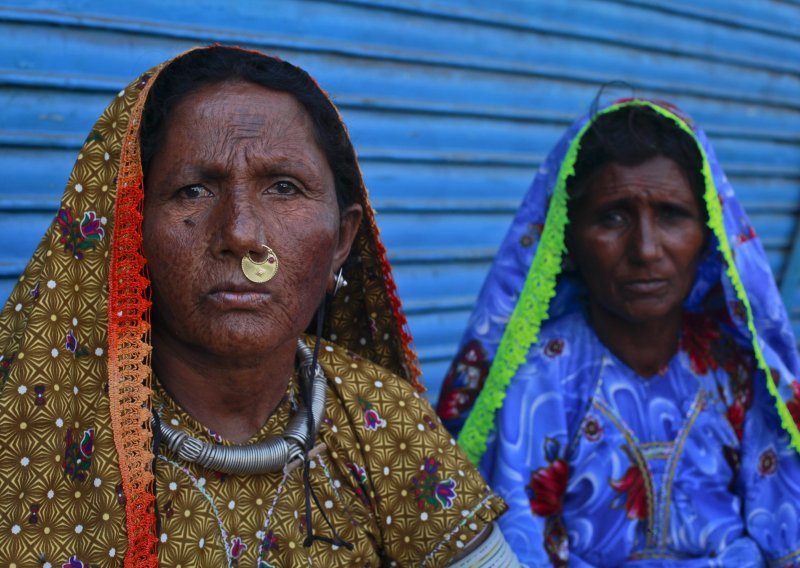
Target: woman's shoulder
<point>347,368</point>
<point>564,346</point>
<point>393,442</point>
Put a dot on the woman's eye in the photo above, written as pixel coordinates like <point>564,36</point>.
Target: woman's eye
<point>194,192</point>
<point>674,212</point>
<point>612,218</point>
<point>284,188</point>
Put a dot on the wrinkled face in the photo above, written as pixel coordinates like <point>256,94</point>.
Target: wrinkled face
<point>239,168</point>
<point>636,236</point>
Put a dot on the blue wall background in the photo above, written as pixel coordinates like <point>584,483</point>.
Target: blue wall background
<point>451,104</point>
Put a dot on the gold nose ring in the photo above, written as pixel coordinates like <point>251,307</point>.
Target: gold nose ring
<point>260,272</point>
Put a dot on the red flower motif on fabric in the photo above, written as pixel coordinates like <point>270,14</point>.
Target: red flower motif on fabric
<point>430,490</point>
<point>548,484</point>
<point>698,333</point>
<point>736,415</point>
<point>748,234</point>
<point>632,484</point>
<point>556,542</point>
<point>768,462</point>
<point>463,382</point>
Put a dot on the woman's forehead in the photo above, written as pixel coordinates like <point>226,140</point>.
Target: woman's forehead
<point>234,125</point>
<point>657,178</point>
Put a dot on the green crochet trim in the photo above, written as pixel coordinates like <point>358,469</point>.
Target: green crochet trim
<point>534,301</point>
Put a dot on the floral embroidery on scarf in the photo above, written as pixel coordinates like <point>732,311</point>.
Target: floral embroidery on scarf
<point>237,549</point>
<point>768,462</point>
<point>5,367</point>
<point>268,543</point>
<point>430,490</point>
<point>72,345</point>
<point>360,475</point>
<point>372,420</point>
<point>78,454</point>
<point>548,484</point>
<point>430,422</point>
<point>39,390</point>
<point>35,292</point>
<point>34,516</point>
<point>140,84</point>
<point>79,237</point>
<point>73,562</point>
<point>121,499</point>
<point>748,234</point>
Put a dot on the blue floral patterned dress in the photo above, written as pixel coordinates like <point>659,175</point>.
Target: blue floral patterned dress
<point>694,466</point>
<point>643,470</point>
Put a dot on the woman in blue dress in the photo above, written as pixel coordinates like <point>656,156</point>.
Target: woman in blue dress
<point>627,381</point>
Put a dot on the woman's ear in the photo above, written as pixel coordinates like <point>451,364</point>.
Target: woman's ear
<point>349,221</point>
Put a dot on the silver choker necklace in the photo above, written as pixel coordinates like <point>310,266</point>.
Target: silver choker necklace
<point>275,453</point>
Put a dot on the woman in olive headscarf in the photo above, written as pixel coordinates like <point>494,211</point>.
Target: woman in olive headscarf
<point>214,214</point>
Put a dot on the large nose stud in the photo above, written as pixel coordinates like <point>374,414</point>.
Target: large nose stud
<point>260,272</point>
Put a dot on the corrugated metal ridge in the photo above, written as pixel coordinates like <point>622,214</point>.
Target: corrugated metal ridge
<point>542,26</point>
<point>427,107</point>
<point>443,304</point>
<point>374,53</point>
<point>38,80</point>
<point>372,154</point>
<point>706,15</point>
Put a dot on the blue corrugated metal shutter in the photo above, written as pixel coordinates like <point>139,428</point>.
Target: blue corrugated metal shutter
<point>451,105</point>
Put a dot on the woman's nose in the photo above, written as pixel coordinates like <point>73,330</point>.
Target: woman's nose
<point>240,225</point>
<point>646,243</point>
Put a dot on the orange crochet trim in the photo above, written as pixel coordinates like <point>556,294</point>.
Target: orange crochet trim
<point>411,358</point>
<point>129,349</point>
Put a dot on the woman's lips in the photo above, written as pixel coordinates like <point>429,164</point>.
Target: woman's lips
<point>646,287</point>
<point>236,297</point>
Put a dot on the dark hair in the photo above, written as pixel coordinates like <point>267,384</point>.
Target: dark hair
<point>630,136</point>
<point>219,64</point>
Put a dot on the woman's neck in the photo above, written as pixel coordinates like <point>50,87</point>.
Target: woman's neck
<point>234,397</point>
<point>646,347</point>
